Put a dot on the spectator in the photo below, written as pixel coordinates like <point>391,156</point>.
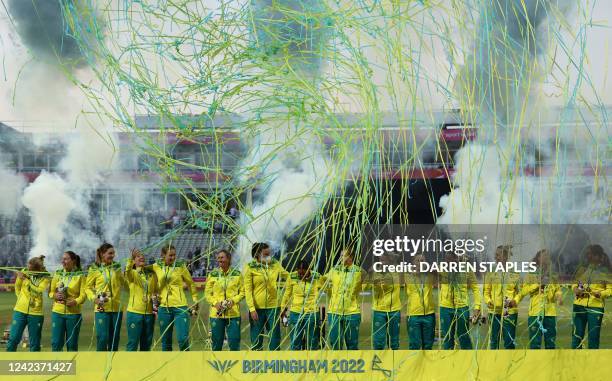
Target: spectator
<point>168,223</point>
<point>190,265</point>
<point>218,227</point>
<point>136,226</point>
<point>196,257</point>
<point>233,212</point>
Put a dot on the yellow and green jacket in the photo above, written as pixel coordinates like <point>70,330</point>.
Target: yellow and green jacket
<point>595,279</point>
<point>143,285</point>
<point>170,283</point>
<point>76,283</point>
<point>542,302</point>
<point>454,290</point>
<point>29,293</point>
<point>222,286</point>
<point>108,279</point>
<point>261,284</point>
<point>497,287</point>
<point>344,284</point>
<point>419,290</point>
<point>302,296</point>
<point>386,288</point>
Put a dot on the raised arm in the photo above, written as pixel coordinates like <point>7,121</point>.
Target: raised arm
<point>554,292</point>
<point>18,285</point>
<point>129,270</point>
<point>526,289</point>
<point>42,287</point>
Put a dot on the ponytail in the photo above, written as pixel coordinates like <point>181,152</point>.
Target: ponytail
<point>76,259</point>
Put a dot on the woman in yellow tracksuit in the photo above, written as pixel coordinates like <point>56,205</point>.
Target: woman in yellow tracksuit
<point>300,302</point>
<point>454,306</point>
<point>68,292</point>
<point>140,317</point>
<point>544,293</point>
<point>261,277</point>
<point>105,281</point>
<point>386,307</point>
<point>173,307</point>
<point>499,291</point>
<point>30,286</point>
<point>593,285</point>
<point>421,318</point>
<point>224,291</point>
<point>344,307</point>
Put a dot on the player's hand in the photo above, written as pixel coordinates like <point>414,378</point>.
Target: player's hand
<point>219,305</point>
<point>597,295</point>
<point>230,303</point>
<point>101,302</point>
<point>490,305</point>
<point>59,297</point>
<point>579,293</point>
<point>20,275</point>
<point>70,302</point>
<point>475,316</point>
<point>512,303</point>
<point>254,316</point>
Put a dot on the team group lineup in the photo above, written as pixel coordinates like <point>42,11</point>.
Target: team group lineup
<point>276,297</point>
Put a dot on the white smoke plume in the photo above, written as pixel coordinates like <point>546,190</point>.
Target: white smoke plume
<point>294,193</point>
<point>89,160</point>
<point>11,188</point>
<point>49,204</point>
<point>503,91</point>
<point>64,216</point>
<point>501,79</point>
<point>287,151</point>
<point>91,154</point>
<point>483,192</point>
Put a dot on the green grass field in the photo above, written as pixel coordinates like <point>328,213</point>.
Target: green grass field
<point>200,340</point>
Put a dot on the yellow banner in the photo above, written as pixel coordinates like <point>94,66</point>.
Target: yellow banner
<point>324,365</point>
